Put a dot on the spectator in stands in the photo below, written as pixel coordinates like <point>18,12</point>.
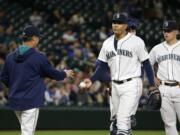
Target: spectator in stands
<point>77,19</point>
<point>86,50</point>
<point>35,19</point>
<point>55,17</point>
<point>158,7</point>
<point>64,95</point>
<point>52,95</point>
<point>77,60</point>
<point>62,25</point>
<point>102,33</point>
<point>82,97</point>
<point>69,36</point>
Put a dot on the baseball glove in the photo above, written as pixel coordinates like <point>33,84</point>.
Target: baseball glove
<point>154,99</point>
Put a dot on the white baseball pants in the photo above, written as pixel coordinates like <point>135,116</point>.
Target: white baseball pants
<point>170,108</point>
<point>28,120</point>
<point>125,99</point>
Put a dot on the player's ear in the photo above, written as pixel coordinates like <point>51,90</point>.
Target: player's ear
<point>34,40</point>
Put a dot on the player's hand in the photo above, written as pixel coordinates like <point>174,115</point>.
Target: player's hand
<point>69,73</point>
<point>157,81</point>
<point>85,84</point>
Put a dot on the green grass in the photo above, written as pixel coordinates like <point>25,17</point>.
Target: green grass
<point>71,132</point>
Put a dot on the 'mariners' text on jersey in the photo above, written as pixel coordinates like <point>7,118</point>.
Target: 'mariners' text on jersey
<point>119,52</point>
<point>168,57</point>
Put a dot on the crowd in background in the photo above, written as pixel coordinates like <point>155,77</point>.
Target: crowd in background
<point>73,47</point>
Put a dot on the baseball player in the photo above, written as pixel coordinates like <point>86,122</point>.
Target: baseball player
<point>166,56</point>
<point>23,73</point>
<point>132,26</point>
<point>123,54</point>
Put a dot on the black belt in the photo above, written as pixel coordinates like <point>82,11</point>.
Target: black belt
<point>170,84</point>
<point>123,81</point>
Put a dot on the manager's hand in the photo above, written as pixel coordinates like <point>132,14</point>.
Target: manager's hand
<point>69,73</point>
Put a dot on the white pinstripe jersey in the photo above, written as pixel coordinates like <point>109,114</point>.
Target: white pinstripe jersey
<point>168,59</point>
<point>125,62</point>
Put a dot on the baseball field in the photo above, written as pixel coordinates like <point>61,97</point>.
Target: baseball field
<point>85,132</point>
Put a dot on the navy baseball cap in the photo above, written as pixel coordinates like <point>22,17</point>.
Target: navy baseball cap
<point>119,19</point>
<point>132,23</point>
<point>31,30</point>
<point>170,25</point>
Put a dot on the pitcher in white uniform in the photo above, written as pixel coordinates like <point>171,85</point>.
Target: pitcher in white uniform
<point>123,53</point>
<point>166,56</point>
